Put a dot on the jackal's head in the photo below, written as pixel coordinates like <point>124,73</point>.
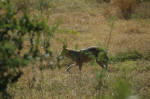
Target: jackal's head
<point>63,53</point>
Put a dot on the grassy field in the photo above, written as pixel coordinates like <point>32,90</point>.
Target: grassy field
<point>85,23</point>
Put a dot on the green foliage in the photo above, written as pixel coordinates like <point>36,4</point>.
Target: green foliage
<point>122,89</point>
<point>13,30</point>
<point>118,88</point>
<point>102,57</point>
<point>123,56</point>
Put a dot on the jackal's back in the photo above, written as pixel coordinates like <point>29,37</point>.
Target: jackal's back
<point>92,52</point>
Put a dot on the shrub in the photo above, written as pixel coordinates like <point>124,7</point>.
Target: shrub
<point>127,7</point>
<point>13,30</point>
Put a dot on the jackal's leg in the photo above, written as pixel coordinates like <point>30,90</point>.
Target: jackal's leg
<point>80,66</point>
<point>103,65</point>
<point>69,67</point>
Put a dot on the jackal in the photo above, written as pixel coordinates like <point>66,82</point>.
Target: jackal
<point>84,56</point>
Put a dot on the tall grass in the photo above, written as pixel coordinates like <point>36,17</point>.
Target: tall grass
<point>119,88</point>
<point>122,89</point>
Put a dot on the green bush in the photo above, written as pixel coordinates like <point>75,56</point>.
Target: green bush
<point>15,26</point>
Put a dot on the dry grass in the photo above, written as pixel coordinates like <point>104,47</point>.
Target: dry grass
<point>57,84</point>
<point>143,10</point>
<point>93,31</point>
<point>81,29</point>
<point>126,7</point>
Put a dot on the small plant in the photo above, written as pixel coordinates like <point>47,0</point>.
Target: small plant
<point>127,7</point>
